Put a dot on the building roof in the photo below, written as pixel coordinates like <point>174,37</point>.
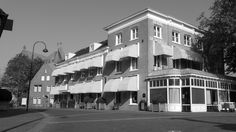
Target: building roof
<point>148,10</point>
<point>57,56</point>
<point>182,72</point>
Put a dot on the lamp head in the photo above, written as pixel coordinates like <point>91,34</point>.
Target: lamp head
<point>45,50</point>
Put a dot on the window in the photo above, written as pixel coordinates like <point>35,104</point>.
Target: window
<point>42,78</point>
<point>174,82</point>
<point>99,71</point>
<point>34,100</point>
<point>82,74</point>
<point>45,71</point>
<point>118,38</point>
<point>176,37</point>
<point>187,40</point>
<point>134,64</point>
<point>35,88</point>
<point>118,66</point>
<point>160,61</point>
<point>134,98</point>
<point>39,88</point>
<point>48,89</point>
<point>157,31</point>
<point>134,33</point>
<point>39,101</point>
<point>157,61</point>
<point>48,78</point>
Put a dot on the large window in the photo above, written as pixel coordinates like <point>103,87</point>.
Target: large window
<point>176,37</point>
<point>198,96</point>
<point>187,40</point>
<point>118,39</point>
<point>134,33</point>
<point>157,31</point>
<point>134,64</point>
<point>174,94</point>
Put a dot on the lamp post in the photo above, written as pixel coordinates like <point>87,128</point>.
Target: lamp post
<point>31,69</point>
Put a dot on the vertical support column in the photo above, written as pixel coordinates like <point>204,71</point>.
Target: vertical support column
<point>180,93</point>
<point>148,93</point>
<point>168,95</point>
<point>218,96</point>
<point>191,100</point>
<point>205,95</point>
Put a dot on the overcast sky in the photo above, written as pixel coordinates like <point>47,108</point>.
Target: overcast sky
<point>77,23</point>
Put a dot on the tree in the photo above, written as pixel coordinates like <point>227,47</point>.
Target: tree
<point>219,37</point>
<point>16,76</point>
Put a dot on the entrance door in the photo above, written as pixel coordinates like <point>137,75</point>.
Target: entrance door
<point>186,107</point>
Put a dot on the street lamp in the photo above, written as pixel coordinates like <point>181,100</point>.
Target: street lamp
<point>31,69</point>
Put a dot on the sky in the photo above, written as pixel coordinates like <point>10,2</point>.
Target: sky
<point>77,23</point>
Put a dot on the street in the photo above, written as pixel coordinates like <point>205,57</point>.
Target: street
<point>61,120</point>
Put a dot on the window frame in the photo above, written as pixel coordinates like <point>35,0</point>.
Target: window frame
<point>134,33</point>
<point>42,78</point>
<point>118,39</point>
<point>131,98</point>
<point>187,40</point>
<point>135,62</point>
<point>157,33</point>
<point>118,66</point>
<point>175,37</point>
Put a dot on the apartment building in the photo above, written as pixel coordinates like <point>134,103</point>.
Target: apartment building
<point>79,77</point>
<point>151,57</point>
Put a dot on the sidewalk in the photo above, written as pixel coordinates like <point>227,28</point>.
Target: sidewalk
<point>18,120</point>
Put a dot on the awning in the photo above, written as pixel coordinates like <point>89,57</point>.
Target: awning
<point>58,89</point>
<point>59,71</point>
<point>69,69</point>
<point>162,49</point>
<point>113,56</point>
<point>54,91</point>
<point>55,72</point>
<point>76,67</point>
<point>187,54</point>
<point>130,51</point>
<point>95,62</point>
<point>112,85</point>
<point>88,87</point>
<point>129,84</point>
<point>92,87</point>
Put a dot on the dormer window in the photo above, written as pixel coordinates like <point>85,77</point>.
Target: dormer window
<point>91,47</point>
<point>118,39</point>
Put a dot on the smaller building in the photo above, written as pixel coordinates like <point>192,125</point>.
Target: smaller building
<point>42,82</point>
<point>41,87</point>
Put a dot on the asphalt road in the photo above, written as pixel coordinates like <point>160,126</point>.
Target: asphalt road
<point>68,120</point>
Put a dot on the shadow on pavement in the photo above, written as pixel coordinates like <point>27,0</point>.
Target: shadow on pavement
<point>15,112</point>
<point>223,126</point>
<point>8,129</point>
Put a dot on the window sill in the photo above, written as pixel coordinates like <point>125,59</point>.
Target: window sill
<point>133,70</point>
<point>119,44</point>
<point>133,104</point>
<point>157,37</point>
<point>133,39</point>
<point>176,42</point>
